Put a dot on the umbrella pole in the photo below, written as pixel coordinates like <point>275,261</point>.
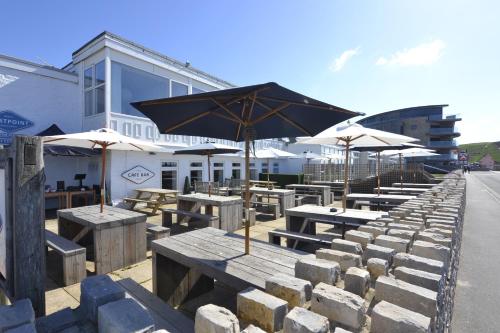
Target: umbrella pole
<point>378,172</point>
<point>401,169</point>
<point>247,191</point>
<point>209,187</point>
<point>103,175</point>
<point>268,173</point>
<point>346,176</point>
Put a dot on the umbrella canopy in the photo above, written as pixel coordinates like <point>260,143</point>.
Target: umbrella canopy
<point>104,138</point>
<point>270,152</point>
<point>207,149</point>
<point>357,135</point>
<point>63,150</point>
<point>248,113</point>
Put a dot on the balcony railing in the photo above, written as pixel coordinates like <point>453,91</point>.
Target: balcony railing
<point>442,130</point>
<point>438,144</point>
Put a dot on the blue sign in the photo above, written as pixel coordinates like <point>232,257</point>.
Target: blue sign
<point>11,122</point>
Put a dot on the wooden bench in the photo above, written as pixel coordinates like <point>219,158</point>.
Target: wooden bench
<point>73,258</point>
<point>157,231</point>
<point>275,207</point>
<point>195,219</point>
<point>303,199</point>
<point>374,205</point>
<point>154,204</point>
<point>276,235</point>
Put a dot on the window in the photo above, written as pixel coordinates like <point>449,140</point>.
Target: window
<point>196,164</point>
<point>169,179</point>
<point>264,168</point>
<point>130,84</point>
<point>197,90</point>
<point>236,165</point>
<point>179,89</point>
<point>276,167</point>
<point>236,174</point>
<point>196,176</point>
<point>218,165</point>
<point>168,164</point>
<point>93,84</point>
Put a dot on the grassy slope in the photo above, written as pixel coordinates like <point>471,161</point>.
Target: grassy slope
<point>478,150</point>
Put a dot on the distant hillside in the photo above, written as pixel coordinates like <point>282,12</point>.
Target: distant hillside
<point>478,150</point>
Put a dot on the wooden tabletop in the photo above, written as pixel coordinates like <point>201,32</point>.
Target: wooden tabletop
<point>380,197</point>
<point>156,190</point>
<point>404,189</point>
<point>306,186</point>
<point>262,182</point>
<point>90,216</point>
<point>313,211</point>
<point>221,256</point>
<point>263,190</point>
<point>211,200</point>
<point>414,185</point>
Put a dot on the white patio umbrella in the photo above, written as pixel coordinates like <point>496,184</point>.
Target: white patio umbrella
<point>360,136</point>
<point>104,138</point>
<point>416,152</point>
<point>271,153</point>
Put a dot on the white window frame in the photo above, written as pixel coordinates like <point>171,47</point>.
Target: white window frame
<point>93,87</point>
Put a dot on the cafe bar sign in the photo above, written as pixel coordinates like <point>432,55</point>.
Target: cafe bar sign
<point>138,174</point>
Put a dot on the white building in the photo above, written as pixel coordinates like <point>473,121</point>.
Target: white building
<point>95,90</point>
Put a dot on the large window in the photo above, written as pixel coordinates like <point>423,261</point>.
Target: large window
<point>196,173</point>
<point>130,84</point>
<point>93,84</point>
<point>179,89</point>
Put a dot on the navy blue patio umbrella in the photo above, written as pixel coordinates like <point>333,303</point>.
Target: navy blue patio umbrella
<point>262,111</point>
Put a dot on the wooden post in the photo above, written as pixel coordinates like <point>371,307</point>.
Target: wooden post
<point>103,175</point>
<point>378,172</point>
<point>247,190</point>
<point>401,169</point>
<point>24,224</point>
<point>346,175</point>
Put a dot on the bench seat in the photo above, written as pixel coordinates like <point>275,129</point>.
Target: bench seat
<point>206,220</point>
<point>276,235</point>
<point>157,231</point>
<point>275,207</point>
<point>73,258</point>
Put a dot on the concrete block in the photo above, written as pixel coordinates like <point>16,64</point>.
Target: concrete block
<point>406,295</point>
<point>317,270</point>
<point>434,238</point>
<point>377,267</point>
<point>96,291</point>
<point>338,305</point>
<point>344,259</point>
<point>17,314</point>
<point>377,223</point>
<point>375,231</point>
<point>346,246</point>
<point>252,329</point>
<point>431,281</point>
<point>300,320</point>
<point>381,252</point>
<point>431,251</point>
<point>446,232</point>
<point>215,319</point>
<point>403,226</point>
<point>261,309</point>
<point>405,234</point>
<point>389,318</point>
<point>125,315</point>
<point>57,321</point>
<point>364,238</point>
<point>357,281</point>
<point>291,289</point>
<point>25,328</point>
<point>396,243</point>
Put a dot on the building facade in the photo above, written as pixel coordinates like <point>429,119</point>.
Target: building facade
<point>426,123</point>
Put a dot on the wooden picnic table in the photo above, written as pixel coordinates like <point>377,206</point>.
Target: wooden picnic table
<point>379,199</point>
<point>262,183</point>
<point>153,197</point>
<point>196,258</point>
<point>414,185</point>
<point>399,190</point>
<point>116,237</point>
<point>230,208</point>
<point>286,197</point>
<point>322,190</point>
<point>303,218</point>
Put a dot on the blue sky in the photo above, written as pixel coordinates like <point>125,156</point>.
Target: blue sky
<point>368,56</point>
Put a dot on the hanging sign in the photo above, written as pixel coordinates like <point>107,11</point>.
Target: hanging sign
<point>11,122</point>
<point>138,174</point>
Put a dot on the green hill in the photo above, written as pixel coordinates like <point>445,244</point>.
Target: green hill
<point>478,150</point>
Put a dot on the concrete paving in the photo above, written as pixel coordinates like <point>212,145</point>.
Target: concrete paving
<point>477,297</point>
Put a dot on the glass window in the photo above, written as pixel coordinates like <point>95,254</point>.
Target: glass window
<point>99,99</point>
<point>276,167</point>
<point>196,164</point>
<point>253,174</point>
<point>129,84</point>
<point>87,78</point>
<point>99,73</point>
<point>219,176</point>
<point>196,176</point>
<point>236,174</point>
<point>169,164</point>
<point>179,89</point>
<point>218,165</point>
<point>237,165</point>
<point>89,103</point>
<point>197,90</point>
<point>169,179</point>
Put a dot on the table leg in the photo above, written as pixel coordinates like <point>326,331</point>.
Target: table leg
<point>176,283</point>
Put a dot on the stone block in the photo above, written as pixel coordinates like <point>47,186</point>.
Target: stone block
<point>431,251</point>
<point>377,223</point>
<point>261,309</point>
<point>96,291</point>
<point>405,234</point>
<point>434,282</point>
<point>291,289</point>
<point>346,246</point>
<point>17,314</point>
<point>341,330</point>
<point>338,305</point>
<point>396,243</point>
<point>212,318</point>
<point>300,320</point>
<point>442,227</point>
<point>446,232</point>
<point>364,238</point>
<point>377,267</point>
<point>419,263</point>
<point>357,281</point>
<point>252,329</point>
<point>389,318</point>
<point>317,270</point>
<point>381,252</point>
<point>57,321</point>
<point>344,259</point>
<point>25,328</point>
<point>375,231</point>
<point>434,238</point>
<point>125,315</point>
<point>404,226</point>
<point>406,295</point>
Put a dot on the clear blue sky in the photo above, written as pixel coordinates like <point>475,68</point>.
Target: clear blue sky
<point>368,56</point>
